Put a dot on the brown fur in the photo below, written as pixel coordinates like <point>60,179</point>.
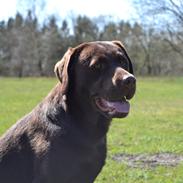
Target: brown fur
<point>63,140</point>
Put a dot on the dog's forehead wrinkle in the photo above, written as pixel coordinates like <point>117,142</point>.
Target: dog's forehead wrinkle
<point>94,53</point>
<point>86,53</point>
<point>101,46</point>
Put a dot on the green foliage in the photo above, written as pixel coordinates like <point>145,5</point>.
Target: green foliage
<point>155,124</point>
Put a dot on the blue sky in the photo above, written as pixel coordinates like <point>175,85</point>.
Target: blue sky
<point>119,9</point>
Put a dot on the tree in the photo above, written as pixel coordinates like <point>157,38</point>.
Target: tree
<point>15,35</point>
<point>28,48</point>
<point>170,14</point>
<point>85,30</point>
<point>50,46</point>
<point>110,32</point>
<point>3,47</point>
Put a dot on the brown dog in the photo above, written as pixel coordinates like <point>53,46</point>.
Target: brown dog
<point>63,140</point>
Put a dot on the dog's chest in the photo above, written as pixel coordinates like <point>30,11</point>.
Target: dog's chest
<point>73,163</point>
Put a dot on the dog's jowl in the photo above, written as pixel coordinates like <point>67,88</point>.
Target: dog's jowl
<point>63,139</point>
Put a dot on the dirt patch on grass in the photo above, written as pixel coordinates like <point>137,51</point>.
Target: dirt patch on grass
<point>149,160</point>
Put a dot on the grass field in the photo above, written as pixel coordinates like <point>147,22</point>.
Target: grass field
<point>155,125</point>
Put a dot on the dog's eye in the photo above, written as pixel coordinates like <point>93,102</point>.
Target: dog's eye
<point>99,66</point>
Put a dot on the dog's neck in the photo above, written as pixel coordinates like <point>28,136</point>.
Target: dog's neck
<point>84,117</point>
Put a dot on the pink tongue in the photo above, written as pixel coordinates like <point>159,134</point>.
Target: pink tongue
<point>121,107</point>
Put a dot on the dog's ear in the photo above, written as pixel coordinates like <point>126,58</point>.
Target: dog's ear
<point>119,44</point>
<point>61,69</point>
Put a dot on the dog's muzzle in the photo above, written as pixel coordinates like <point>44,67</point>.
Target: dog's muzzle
<point>117,105</point>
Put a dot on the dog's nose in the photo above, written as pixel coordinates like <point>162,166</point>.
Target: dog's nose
<point>129,81</point>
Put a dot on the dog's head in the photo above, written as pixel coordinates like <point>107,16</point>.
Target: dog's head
<point>100,76</point>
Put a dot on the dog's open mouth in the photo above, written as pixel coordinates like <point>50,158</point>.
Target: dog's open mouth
<point>113,109</point>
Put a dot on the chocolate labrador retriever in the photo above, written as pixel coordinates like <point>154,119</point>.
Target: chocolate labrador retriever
<point>63,140</point>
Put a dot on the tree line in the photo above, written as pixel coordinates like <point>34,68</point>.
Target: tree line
<point>30,49</point>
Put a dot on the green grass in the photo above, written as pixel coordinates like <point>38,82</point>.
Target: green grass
<point>154,125</point>
<point>19,96</point>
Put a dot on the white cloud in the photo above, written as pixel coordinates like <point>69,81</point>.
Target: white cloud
<point>7,9</point>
